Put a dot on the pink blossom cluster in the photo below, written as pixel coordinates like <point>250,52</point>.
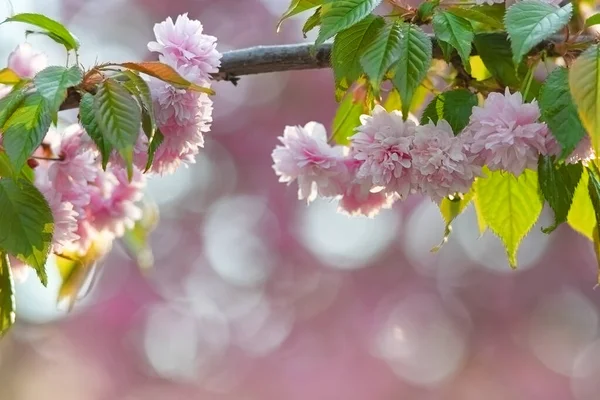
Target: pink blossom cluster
<point>389,158</point>
<point>89,204</point>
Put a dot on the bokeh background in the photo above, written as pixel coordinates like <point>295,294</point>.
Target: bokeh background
<point>255,296</point>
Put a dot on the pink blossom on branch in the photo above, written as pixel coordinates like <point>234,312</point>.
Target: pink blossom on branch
<point>25,62</point>
<point>382,143</point>
<point>505,133</point>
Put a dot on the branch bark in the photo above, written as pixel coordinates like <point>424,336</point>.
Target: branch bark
<point>294,57</point>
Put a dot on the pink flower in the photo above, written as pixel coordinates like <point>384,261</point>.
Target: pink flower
<point>307,157</point>
<point>440,164</point>
<point>505,133</point>
<point>20,270</point>
<point>583,152</point>
<point>182,44</point>
<point>26,62</point>
<point>383,145</point>
<point>65,219</point>
<point>357,199</point>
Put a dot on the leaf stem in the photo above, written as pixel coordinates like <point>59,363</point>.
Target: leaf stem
<point>527,82</point>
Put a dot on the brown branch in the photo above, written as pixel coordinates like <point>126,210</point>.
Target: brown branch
<point>294,57</point>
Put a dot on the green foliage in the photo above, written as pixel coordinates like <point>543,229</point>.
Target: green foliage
<point>343,14</point>
<point>581,215</point>
<point>584,82</point>
<point>119,118</point>
<point>382,53</point>
<point>26,224</point>
<point>7,295</point>
<point>153,145</point>
<point>350,44</point>
<point>53,29</point>
<point>165,73</point>
<point>87,118</point>
<point>494,50</point>
<point>10,103</point>
<point>529,22</point>
<point>455,106</point>
<point>558,184</point>
<point>413,64</point>
<point>26,128</point>
<point>510,206</point>
<point>139,88</point>
<point>488,17</point>
<point>456,31</point>
<point>450,208</point>
<point>346,119</point>
<point>312,22</point>
<point>593,20</point>
<point>426,10</point>
<point>52,83</point>
<point>559,111</point>
<point>296,7</point>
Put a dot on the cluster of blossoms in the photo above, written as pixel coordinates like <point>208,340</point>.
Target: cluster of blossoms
<point>92,205</point>
<point>389,158</point>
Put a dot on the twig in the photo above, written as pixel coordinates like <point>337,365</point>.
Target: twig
<point>295,57</point>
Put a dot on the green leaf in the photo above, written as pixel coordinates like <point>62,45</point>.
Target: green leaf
<point>7,295</point>
<point>456,31</point>
<point>529,22</point>
<point>26,128</point>
<point>593,20</point>
<point>312,22</point>
<point>455,106</point>
<point>558,184</point>
<point>581,216</point>
<point>153,145</point>
<point>76,269</point>
<point>510,206</point>
<point>494,50</point>
<point>415,59</point>
<point>490,16</point>
<point>55,30</point>
<point>165,73</point>
<point>296,7</point>
<point>9,77</point>
<point>10,103</point>
<point>52,83</point>
<point>139,88</point>
<point>584,82</point>
<point>481,222</point>
<point>26,224</point>
<point>350,44</point>
<point>347,118</point>
<point>382,53</point>
<point>343,14</point>
<point>594,193</point>
<point>559,111</point>
<point>90,124</point>
<point>450,208</point>
<point>426,10</point>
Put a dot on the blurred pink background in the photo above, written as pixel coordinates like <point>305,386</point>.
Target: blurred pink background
<point>255,296</point>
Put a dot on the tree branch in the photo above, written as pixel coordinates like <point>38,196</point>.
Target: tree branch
<point>302,56</point>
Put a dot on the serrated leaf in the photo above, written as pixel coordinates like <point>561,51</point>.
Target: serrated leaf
<point>9,77</point>
<point>343,14</point>
<point>166,74</point>
<point>26,224</point>
<point>88,121</point>
<point>593,20</point>
<point>510,206</point>
<point>56,31</point>
<point>26,128</point>
<point>455,31</point>
<point>312,22</point>
<point>415,59</point>
<point>481,223</point>
<point>383,51</point>
<point>139,88</point>
<point>584,83</point>
<point>350,44</point>
<point>10,103</point>
<point>529,22</point>
<point>153,145</point>
<point>52,83</point>
<point>450,208</point>
<point>455,106</point>
<point>296,7</point>
<point>558,184</point>
<point>490,16</point>
<point>347,118</point>
<point>494,50</point>
<point>7,295</point>
<point>559,111</point>
<point>594,193</point>
<point>426,9</point>
<point>581,215</point>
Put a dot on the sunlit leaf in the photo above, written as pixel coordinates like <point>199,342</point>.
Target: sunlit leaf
<point>9,77</point>
<point>7,295</point>
<point>450,208</point>
<point>166,74</point>
<point>296,7</point>
<point>56,30</point>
